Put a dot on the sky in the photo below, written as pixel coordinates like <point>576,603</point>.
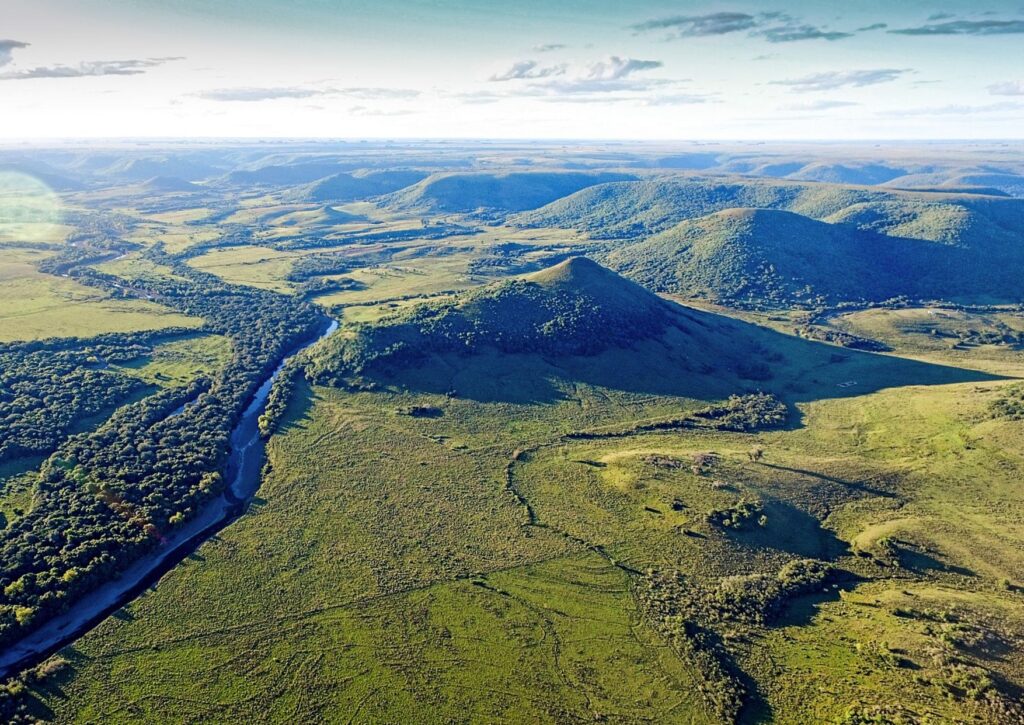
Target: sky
<point>523,69</point>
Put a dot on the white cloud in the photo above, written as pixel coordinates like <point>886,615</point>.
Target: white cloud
<point>1009,88</point>
<point>375,94</point>
<point>527,70</point>
<point>831,80</point>
<point>822,105</point>
<point>956,109</point>
<point>251,95</point>
<point>616,68</point>
<point>691,26</point>
<point>256,94</point>
<point>87,69</point>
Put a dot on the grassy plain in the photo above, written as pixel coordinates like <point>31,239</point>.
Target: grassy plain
<point>388,571</point>
<point>178,362</point>
<point>35,305</point>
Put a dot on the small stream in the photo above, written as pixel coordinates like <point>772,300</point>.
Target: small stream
<point>245,464</point>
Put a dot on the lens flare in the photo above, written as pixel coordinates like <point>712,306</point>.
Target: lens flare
<point>30,211</point>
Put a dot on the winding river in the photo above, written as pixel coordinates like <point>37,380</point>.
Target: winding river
<point>245,465</point>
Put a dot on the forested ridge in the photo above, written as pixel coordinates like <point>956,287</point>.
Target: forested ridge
<point>106,497</point>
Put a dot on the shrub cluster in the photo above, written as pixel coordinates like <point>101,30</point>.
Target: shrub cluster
<point>1010,404</point>
<point>741,515</point>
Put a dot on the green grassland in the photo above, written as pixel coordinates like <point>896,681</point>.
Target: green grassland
<point>254,266</point>
<point>476,564</point>
<point>35,305</point>
<point>17,482</point>
<point>954,333</point>
<point>371,312</point>
<point>135,267</point>
<point>178,362</point>
<point>474,538</point>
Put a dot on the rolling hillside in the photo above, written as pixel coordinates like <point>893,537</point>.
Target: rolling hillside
<point>768,256</point>
<point>580,323</point>
<point>503,192</point>
<point>356,186</point>
<point>626,210</point>
<point>168,184</point>
<point>630,209</point>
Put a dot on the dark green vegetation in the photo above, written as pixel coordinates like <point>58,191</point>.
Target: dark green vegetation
<point>1010,404</point>
<point>542,498</point>
<point>104,498</point>
<point>48,389</point>
<point>575,308</point>
<point>778,244</point>
<point>768,257</point>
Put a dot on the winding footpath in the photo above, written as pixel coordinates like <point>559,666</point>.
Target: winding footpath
<point>245,464</point>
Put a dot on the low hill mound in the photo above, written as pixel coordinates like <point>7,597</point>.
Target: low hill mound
<point>626,210</point>
<point>1012,184</point>
<point>488,192</point>
<point>759,256</point>
<point>322,216</point>
<point>168,184</point>
<point>43,173</point>
<point>285,174</point>
<point>574,308</point>
<point>356,186</point>
<point>136,168</point>
<point>545,336</point>
<point>866,174</point>
<point>984,223</point>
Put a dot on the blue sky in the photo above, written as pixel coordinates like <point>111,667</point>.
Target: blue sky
<point>528,69</point>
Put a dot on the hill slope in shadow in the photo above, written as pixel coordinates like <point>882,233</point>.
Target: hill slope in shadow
<point>526,339</point>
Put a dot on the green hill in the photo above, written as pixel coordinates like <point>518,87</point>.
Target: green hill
<point>770,256</point>
<point>578,323</point>
<point>627,210</point>
<point>848,242</point>
<point>355,186</point>
<point>300,172</point>
<point>168,184</point>
<point>574,308</point>
<point>318,217</point>
<point>503,192</point>
<point>867,174</point>
<point>146,167</point>
<point>872,252</point>
<point>976,221</point>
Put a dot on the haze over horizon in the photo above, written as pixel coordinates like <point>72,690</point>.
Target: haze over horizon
<point>648,70</point>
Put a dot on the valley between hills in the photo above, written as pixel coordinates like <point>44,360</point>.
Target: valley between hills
<point>660,434</point>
